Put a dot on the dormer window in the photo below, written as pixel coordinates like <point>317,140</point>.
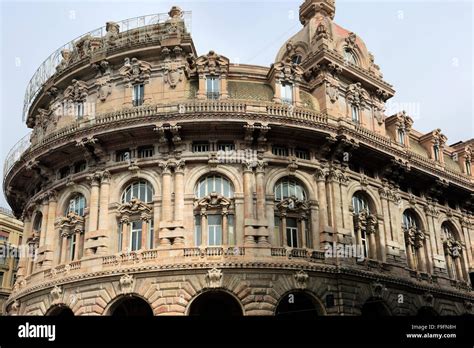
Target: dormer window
<point>212,87</point>
<point>436,152</point>
<point>138,94</point>
<point>287,93</point>
<point>79,110</point>
<point>401,136</point>
<point>355,114</point>
<point>349,56</point>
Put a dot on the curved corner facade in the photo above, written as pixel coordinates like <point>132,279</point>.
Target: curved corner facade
<point>160,182</point>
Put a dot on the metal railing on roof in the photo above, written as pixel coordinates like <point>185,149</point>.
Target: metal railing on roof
<point>96,40</point>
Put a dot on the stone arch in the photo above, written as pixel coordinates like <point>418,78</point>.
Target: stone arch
<point>375,307</point>
<point>360,51</point>
<point>60,310</point>
<point>275,175</point>
<point>309,299</point>
<point>122,305</point>
<point>222,297</point>
<point>420,215</point>
<point>67,194</point>
<point>122,180</point>
<point>377,294</point>
<point>453,224</point>
<point>230,173</point>
<point>373,196</point>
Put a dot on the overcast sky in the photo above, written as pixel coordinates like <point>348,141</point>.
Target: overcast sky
<point>424,48</point>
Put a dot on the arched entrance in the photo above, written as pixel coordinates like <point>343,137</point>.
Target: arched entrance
<point>60,311</point>
<point>216,304</point>
<point>131,306</point>
<point>298,304</point>
<point>426,312</point>
<point>375,308</point>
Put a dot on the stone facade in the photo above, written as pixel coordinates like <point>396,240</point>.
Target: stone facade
<point>10,237</point>
<point>175,179</point>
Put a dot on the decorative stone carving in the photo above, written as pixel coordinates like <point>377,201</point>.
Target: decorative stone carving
<point>366,222</point>
<point>286,71</point>
<point>453,247</point>
<point>351,41</point>
<point>214,278</point>
<point>377,289</point>
<point>414,236</point>
<point>428,298</point>
<point>112,35</point>
<point>66,57</point>
<point>56,294</point>
<point>173,73</point>
<point>332,90</point>
<point>213,201</point>
<point>212,64</point>
<point>134,208</point>
<point>135,71</point>
<point>14,308</point>
<point>301,279</point>
<point>76,92</point>
<point>357,95</point>
<point>104,88</point>
<point>70,224</point>
<point>126,284</point>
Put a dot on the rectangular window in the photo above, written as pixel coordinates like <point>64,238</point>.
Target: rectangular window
<point>151,235</point>
<point>363,240</point>
<point>79,110</point>
<point>72,246</point>
<point>138,94</point>
<point>355,114</point>
<point>225,147</point>
<point>287,93</point>
<point>146,152</point>
<point>214,228</point>
<point>468,168</point>
<point>436,152</point>
<point>1,279</point>
<point>401,136</point>
<point>122,156</point>
<point>136,236</point>
<point>120,237</point>
<point>201,147</point>
<point>197,230</point>
<point>280,151</point>
<point>212,87</point>
<point>292,233</point>
<point>64,172</point>
<point>302,154</point>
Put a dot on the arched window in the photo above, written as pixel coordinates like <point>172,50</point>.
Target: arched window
<point>414,241</point>
<point>214,184</point>
<point>360,203</point>
<point>135,225</point>
<point>349,56</point>
<point>292,214</point>
<point>453,249</point>
<point>76,205</point>
<point>38,222</point>
<point>410,219</point>
<point>289,188</point>
<point>141,190</point>
<point>365,225</point>
<point>214,212</point>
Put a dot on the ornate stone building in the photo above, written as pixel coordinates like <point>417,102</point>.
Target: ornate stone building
<point>10,237</point>
<point>157,181</point>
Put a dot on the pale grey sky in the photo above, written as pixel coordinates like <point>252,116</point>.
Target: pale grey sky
<point>424,48</point>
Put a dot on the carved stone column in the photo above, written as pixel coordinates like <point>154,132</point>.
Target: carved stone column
<point>260,188</point>
<point>64,247</point>
<point>94,202</point>
<point>179,191</point>
<point>320,176</point>
<point>225,227</point>
<point>166,188</point>
<point>248,194</point>
<point>303,232</point>
<point>44,221</point>
<point>284,238</point>
<point>104,201</point>
<point>204,232</point>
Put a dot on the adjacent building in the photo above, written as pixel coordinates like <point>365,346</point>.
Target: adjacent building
<point>11,231</point>
<point>160,182</point>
